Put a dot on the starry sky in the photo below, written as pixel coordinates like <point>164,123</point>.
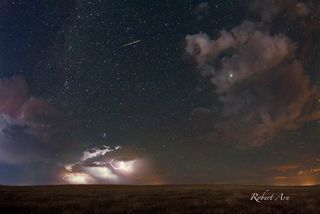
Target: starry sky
<point>159,92</point>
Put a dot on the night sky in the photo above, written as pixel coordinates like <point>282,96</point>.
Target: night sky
<point>159,92</point>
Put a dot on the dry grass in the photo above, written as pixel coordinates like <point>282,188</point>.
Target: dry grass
<point>155,199</point>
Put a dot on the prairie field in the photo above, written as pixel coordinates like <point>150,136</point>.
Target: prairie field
<point>156,199</point>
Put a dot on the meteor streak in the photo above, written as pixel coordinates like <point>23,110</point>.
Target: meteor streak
<point>131,43</point>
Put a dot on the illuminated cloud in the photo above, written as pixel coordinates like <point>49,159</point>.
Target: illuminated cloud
<point>96,152</point>
<point>108,165</point>
<point>256,52</point>
<point>284,168</point>
<point>123,166</point>
<point>14,93</point>
<point>30,127</point>
<point>309,171</point>
<point>100,172</point>
<point>78,178</point>
<point>262,86</point>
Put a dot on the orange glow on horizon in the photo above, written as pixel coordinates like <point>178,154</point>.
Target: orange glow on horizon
<point>295,180</point>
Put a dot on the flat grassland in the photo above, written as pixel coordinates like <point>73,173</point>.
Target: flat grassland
<point>155,199</point>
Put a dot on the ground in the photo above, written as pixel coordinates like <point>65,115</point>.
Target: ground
<point>156,199</point>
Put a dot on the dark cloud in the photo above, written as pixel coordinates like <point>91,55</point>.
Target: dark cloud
<point>262,86</point>
<point>269,10</point>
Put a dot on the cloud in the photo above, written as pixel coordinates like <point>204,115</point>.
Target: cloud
<point>32,131</point>
<point>300,172</point>
<point>262,86</point>
<point>16,146</point>
<point>30,127</point>
<point>14,93</point>
<point>271,9</point>
<point>309,171</point>
<point>204,50</point>
<point>302,9</point>
<point>112,165</point>
<point>254,52</point>
<point>78,178</point>
<point>97,152</point>
<point>284,168</point>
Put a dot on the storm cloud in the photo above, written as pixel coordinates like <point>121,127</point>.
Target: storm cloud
<point>112,165</point>
<point>34,131</point>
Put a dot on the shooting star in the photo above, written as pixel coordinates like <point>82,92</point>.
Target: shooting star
<point>131,43</point>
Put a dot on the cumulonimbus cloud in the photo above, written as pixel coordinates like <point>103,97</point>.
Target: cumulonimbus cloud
<point>112,165</point>
<point>262,86</point>
<point>33,130</point>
